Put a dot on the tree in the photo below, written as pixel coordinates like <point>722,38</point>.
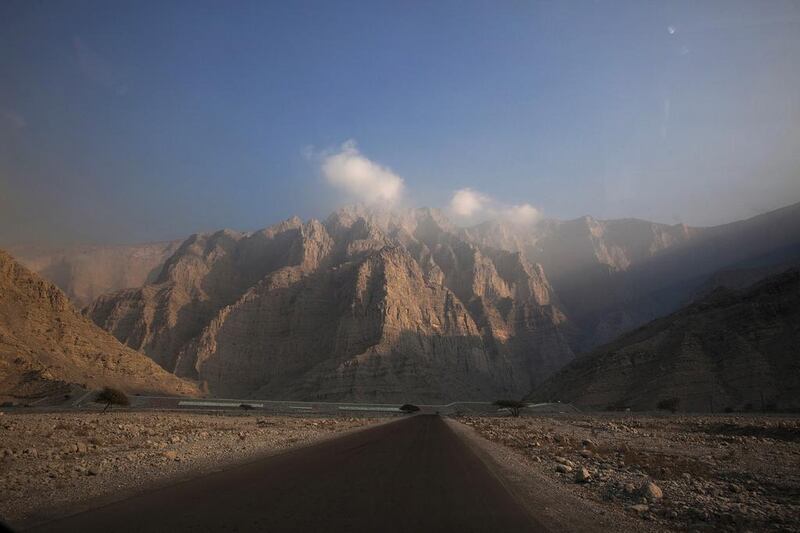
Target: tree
<point>111,396</point>
<point>513,406</point>
<point>669,404</point>
<point>409,408</point>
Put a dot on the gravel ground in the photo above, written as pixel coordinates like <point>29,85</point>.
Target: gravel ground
<point>57,463</point>
<point>695,473</point>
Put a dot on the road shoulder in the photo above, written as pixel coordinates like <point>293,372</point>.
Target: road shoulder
<point>553,506</point>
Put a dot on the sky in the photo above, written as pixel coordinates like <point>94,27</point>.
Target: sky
<point>141,121</point>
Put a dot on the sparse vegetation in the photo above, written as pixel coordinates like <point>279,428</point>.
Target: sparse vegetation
<point>513,406</point>
<point>669,404</point>
<point>245,406</point>
<point>111,396</point>
<point>409,408</point>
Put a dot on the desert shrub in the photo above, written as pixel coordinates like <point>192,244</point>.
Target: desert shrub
<point>669,404</point>
<point>513,406</point>
<point>111,396</point>
<point>245,406</point>
<point>409,408</point>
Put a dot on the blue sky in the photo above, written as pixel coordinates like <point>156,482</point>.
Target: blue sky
<point>134,121</point>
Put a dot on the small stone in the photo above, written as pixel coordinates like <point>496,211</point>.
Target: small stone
<point>175,439</point>
<point>588,443</point>
<point>93,471</point>
<point>81,447</point>
<point>172,455</point>
<point>582,475</point>
<point>564,469</point>
<point>651,491</point>
<point>629,488</point>
<point>586,453</point>
<point>640,508</point>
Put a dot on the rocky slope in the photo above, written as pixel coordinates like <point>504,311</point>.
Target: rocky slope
<point>86,272</point>
<point>46,345</point>
<point>379,304</point>
<point>385,306</point>
<point>731,349</point>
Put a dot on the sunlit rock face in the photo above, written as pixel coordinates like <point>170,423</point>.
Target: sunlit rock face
<point>403,305</point>
<point>367,305</point>
<point>47,346</point>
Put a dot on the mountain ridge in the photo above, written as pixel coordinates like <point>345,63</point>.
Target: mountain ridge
<point>46,345</point>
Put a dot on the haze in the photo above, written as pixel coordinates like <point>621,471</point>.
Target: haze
<point>150,121</point>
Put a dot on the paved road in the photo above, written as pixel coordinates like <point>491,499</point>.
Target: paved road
<point>413,475</point>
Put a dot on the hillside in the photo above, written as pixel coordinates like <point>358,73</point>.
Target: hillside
<point>86,272</point>
<point>731,349</point>
<point>46,345</point>
<point>367,305</point>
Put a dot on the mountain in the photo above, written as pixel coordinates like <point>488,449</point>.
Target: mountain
<point>731,348</point>
<point>403,305</point>
<point>612,276</point>
<point>368,305</point>
<point>46,345</point>
<point>86,272</point>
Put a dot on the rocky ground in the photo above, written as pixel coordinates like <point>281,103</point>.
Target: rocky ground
<point>56,463</point>
<point>695,473</point>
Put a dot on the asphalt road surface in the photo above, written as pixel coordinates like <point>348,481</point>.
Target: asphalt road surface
<point>413,475</point>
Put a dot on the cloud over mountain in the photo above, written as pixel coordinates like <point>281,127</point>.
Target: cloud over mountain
<point>470,206</point>
<point>349,170</point>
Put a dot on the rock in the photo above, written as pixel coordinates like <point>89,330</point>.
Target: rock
<point>629,488</point>
<point>582,475</point>
<point>564,461</point>
<point>588,443</point>
<point>639,508</point>
<point>564,469</point>
<point>81,447</point>
<point>586,453</point>
<point>651,491</point>
<point>31,452</point>
<point>175,439</point>
<point>93,471</point>
<point>172,455</point>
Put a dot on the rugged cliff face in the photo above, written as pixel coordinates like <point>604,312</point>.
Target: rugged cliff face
<point>206,273</point>
<point>45,344</point>
<point>86,272</point>
<point>732,348</point>
<point>612,276</point>
<point>392,306</point>
<point>302,310</point>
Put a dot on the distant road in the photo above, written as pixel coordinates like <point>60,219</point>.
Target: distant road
<point>413,475</point>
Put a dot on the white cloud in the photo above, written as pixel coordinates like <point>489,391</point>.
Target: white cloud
<point>469,206</point>
<point>468,203</point>
<point>522,214</point>
<point>361,178</point>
